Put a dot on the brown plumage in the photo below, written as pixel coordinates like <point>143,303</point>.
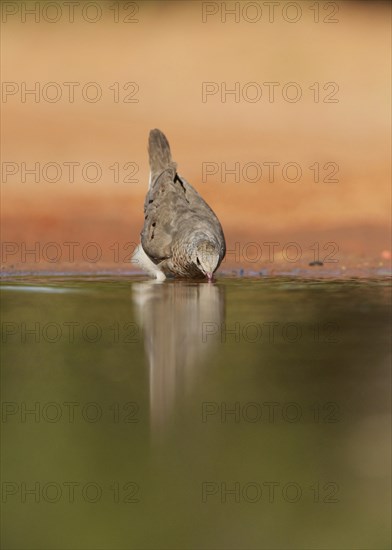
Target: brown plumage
<point>181,235</point>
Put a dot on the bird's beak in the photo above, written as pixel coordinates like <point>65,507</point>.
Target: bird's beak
<point>209,276</point>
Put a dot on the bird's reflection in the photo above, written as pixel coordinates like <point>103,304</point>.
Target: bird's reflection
<point>174,317</point>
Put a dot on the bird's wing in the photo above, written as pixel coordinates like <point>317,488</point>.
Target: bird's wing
<point>165,211</point>
<point>200,207</point>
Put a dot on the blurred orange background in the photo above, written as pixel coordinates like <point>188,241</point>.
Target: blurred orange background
<point>167,51</point>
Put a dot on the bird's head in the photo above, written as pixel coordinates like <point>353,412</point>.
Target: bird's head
<point>206,258</point>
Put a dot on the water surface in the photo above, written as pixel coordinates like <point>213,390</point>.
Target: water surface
<point>252,413</point>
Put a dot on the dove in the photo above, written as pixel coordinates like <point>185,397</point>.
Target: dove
<point>181,236</point>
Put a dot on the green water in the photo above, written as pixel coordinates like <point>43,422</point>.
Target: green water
<point>247,414</point>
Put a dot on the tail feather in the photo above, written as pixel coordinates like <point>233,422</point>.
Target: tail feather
<point>159,152</point>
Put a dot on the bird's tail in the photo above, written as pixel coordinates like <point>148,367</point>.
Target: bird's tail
<point>159,155</point>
